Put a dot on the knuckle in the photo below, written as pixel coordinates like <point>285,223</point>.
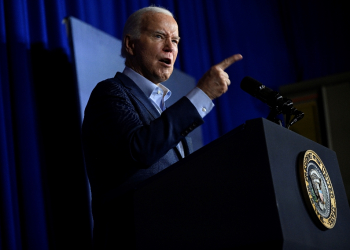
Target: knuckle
<point>215,69</point>
<point>222,77</point>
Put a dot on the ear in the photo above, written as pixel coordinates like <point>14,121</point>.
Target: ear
<point>129,44</point>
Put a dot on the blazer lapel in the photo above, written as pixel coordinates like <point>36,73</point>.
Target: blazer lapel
<point>138,94</point>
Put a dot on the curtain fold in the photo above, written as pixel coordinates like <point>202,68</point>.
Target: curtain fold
<point>24,173</point>
<point>44,200</point>
<point>10,234</point>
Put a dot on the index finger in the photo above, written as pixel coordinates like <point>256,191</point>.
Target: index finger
<point>228,61</point>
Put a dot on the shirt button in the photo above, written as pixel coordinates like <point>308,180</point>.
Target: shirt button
<point>158,92</point>
<point>204,109</point>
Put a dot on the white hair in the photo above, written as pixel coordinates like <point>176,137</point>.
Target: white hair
<point>132,26</point>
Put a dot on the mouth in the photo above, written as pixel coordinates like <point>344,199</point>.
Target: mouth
<point>167,61</point>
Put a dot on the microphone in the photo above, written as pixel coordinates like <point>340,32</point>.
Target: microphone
<point>273,99</point>
<point>260,91</point>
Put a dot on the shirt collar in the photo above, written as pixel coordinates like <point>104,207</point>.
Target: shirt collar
<point>146,85</point>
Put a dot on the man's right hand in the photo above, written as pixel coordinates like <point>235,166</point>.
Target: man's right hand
<point>215,81</point>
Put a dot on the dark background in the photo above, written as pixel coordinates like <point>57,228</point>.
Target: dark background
<point>43,188</point>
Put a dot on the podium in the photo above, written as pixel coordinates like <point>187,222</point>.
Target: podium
<point>242,191</point>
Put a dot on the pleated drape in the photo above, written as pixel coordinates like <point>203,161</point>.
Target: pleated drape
<point>44,201</point>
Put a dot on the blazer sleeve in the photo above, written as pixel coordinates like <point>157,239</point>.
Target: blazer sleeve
<point>117,123</point>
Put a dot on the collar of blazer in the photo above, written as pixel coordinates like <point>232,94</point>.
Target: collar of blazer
<point>138,94</point>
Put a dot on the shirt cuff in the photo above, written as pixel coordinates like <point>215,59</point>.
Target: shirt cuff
<point>201,101</point>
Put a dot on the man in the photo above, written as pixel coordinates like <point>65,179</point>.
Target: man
<point>128,132</point>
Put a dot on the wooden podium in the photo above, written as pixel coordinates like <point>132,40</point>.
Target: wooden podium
<point>242,191</point>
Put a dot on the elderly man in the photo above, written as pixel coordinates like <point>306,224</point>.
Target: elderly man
<point>128,132</point>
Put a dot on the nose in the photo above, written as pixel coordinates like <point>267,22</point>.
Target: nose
<point>169,46</point>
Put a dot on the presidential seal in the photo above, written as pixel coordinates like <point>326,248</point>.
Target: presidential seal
<point>317,189</point>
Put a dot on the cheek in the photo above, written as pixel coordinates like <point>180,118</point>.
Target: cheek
<point>150,54</point>
<point>146,57</point>
<point>175,53</point>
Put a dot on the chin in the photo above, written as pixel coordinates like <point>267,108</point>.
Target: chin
<point>167,75</point>
<point>163,77</point>
<point>166,78</point>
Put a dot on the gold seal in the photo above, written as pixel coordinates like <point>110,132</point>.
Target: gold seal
<point>317,189</point>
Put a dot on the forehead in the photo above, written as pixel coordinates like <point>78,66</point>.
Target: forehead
<point>159,22</point>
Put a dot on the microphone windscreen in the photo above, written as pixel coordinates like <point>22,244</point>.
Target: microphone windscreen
<point>251,86</point>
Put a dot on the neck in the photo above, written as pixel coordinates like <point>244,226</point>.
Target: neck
<point>129,64</point>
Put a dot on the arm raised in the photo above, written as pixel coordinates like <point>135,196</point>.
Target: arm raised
<point>215,81</point>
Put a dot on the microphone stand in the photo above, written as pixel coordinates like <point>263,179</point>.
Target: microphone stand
<point>274,112</point>
<point>284,106</point>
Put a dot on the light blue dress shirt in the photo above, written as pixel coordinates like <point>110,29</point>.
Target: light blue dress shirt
<point>158,94</point>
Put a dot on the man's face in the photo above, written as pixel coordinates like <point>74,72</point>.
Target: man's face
<point>155,52</point>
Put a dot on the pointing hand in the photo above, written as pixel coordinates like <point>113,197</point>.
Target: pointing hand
<point>215,81</point>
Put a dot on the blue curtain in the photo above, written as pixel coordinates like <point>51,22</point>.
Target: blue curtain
<point>44,194</point>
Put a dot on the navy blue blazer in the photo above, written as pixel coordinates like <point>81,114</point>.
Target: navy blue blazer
<point>125,138</point>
